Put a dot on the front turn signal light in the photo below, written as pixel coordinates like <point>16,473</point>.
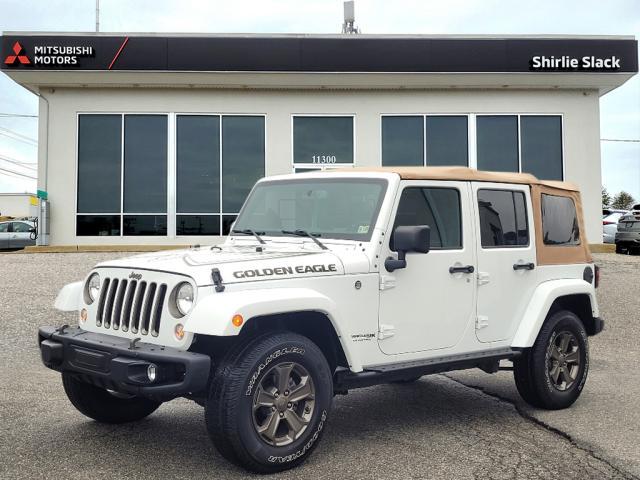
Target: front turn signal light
<point>237,320</point>
<point>83,315</point>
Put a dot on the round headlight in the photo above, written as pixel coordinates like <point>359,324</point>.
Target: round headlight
<point>93,287</point>
<point>184,298</point>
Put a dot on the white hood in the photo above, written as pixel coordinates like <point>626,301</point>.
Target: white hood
<point>250,262</point>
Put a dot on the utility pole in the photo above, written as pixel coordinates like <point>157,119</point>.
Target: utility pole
<point>349,25</point>
<point>97,16</point>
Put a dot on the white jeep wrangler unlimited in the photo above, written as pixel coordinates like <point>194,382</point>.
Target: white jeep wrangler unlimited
<point>332,281</point>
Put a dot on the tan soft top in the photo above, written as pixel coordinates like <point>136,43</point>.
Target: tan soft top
<point>462,174</point>
<point>546,254</point>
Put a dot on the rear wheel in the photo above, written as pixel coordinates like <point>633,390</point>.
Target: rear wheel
<point>106,406</point>
<point>269,402</point>
<point>619,248</point>
<point>553,372</point>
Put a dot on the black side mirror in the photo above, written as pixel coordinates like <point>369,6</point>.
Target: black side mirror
<point>415,238</point>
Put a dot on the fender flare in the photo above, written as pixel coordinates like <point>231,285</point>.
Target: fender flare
<point>69,298</point>
<point>541,300</point>
<point>212,314</point>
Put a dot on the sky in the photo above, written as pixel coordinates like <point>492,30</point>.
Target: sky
<point>619,110</point>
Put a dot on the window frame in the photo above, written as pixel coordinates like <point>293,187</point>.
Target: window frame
<point>171,210</point>
<point>526,217</point>
<point>322,166</point>
<point>422,187</point>
<point>472,138</point>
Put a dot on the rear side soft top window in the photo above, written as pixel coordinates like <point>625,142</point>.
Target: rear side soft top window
<point>559,221</point>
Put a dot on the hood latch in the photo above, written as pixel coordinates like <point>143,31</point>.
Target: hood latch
<point>217,280</point>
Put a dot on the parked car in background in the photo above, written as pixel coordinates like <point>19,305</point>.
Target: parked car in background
<point>17,234</point>
<point>610,224</point>
<point>628,233</point>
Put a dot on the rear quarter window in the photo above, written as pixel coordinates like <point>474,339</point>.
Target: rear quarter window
<point>559,221</point>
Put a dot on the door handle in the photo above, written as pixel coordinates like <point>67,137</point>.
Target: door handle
<point>465,269</point>
<point>524,266</point>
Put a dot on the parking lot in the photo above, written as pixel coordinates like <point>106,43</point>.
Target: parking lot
<point>459,425</point>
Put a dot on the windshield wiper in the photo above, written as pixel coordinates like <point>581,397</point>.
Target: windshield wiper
<point>248,231</point>
<point>304,233</point>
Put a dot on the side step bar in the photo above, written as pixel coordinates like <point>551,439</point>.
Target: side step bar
<point>345,379</point>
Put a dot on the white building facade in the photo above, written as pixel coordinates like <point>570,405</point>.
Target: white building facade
<point>158,140</point>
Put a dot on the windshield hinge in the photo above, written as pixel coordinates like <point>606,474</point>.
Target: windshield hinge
<point>386,331</point>
<point>217,280</point>
<point>387,282</point>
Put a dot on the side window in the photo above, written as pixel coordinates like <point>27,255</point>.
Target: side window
<point>559,221</point>
<point>4,227</point>
<point>437,207</point>
<point>20,227</point>
<point>503,218</point>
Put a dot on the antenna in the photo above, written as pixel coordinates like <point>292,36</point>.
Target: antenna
<point>349,25</point>
<point>97,16</point>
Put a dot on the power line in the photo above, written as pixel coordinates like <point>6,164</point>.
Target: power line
<point>17,162</point>
<point>18,136</point>
<point>18,115</point>
<point>13,172</point>
<point>631,140</point>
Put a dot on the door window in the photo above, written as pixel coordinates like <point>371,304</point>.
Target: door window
<point>19,227</point>
<point>439,208</point>
<point>503,218</point>
<point>4,227</point>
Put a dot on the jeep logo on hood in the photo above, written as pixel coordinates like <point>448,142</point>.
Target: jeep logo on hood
<point>135,276</point>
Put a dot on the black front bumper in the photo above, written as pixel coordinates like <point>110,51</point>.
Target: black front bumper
<point>113,363</point>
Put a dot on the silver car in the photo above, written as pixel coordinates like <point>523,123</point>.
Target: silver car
<point>628,234</point>
<point>610,224</point>
<point>16,234</point>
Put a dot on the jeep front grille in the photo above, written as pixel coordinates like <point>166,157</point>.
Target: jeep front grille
<point>131,305</point>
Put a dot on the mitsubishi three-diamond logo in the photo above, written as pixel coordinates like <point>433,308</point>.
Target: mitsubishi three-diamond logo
<point>17,50</point>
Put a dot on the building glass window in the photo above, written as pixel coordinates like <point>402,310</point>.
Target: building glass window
<point>447,140</point>
<point>99,162</point>
<point>497,148</point>
<point>439,208</point>
<point>402,141</point>
<point>418,140</point>
<point>503,218</point>
<point>559,221</point>
<point>145,175</point>
<point>320,142</point>
<point>210,187</point>
<point>541,146</point>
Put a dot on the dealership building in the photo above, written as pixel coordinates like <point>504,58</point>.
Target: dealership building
<point>157,139</point>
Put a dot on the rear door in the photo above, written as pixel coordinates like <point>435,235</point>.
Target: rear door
<point>506,258</point>
<point>20,236</point>
<point>4,235</point>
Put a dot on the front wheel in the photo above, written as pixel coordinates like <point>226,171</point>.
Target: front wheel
<point>269,402</point>
<point>552,373</point>
<point>106,406</point>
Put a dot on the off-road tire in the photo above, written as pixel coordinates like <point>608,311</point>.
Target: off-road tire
<point>103,406</point>
<point>620,249</point>
<point>229,410</point>
<point>532,370</point>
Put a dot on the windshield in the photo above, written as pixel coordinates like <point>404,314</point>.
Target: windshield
<point>339,208</point>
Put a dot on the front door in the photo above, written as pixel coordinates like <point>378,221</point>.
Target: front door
<point>425,306</point>
<point>20,235</point>
<point>506,258</point>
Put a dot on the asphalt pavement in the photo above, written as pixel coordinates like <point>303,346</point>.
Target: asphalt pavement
<point>459,425</point>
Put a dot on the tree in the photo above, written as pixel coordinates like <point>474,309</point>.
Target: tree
<point>606,197</point>
<point>623,201</point>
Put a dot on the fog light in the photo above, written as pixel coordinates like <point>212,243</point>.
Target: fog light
<point>179,331</point>
<point>83,315</point>
<point>152,372</point>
